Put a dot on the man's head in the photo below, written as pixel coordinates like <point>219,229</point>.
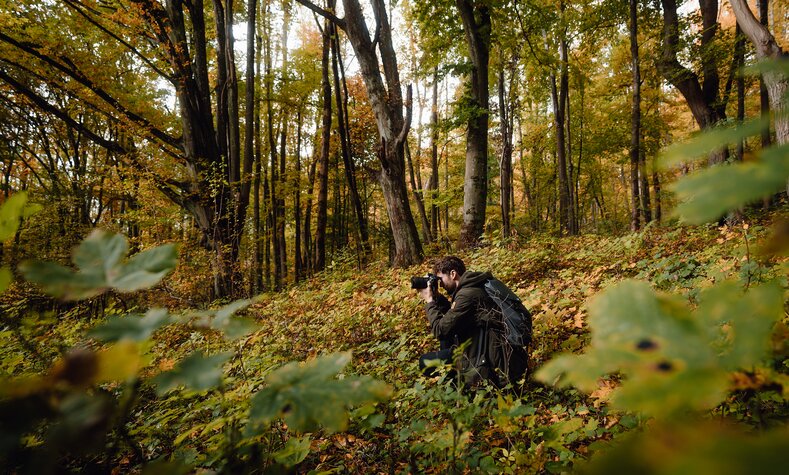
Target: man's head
<point>449,269</point>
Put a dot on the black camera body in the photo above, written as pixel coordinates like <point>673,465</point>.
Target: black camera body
<point>430,280</point>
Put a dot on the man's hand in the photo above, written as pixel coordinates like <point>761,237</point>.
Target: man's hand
<point>426,294</point>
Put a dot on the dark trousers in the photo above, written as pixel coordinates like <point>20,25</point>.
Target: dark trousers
<point>444,354</point>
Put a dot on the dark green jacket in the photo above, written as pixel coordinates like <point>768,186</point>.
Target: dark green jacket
<point>472,315</point>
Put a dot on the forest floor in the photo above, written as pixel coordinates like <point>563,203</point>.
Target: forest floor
<point>379,318</point>
<point>426,426</point>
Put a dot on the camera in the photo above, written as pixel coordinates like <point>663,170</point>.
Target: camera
<point>430,280</point>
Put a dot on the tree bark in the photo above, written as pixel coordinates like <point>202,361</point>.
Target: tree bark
<point>433,182</point>
<point>766,48</point>
<point>386,99</point>
<point>505,165</point>
<point>635,120</point>
<point>703,98</point>
<point>323,166</point>
<point>475,16</point>
<point>345,149</point>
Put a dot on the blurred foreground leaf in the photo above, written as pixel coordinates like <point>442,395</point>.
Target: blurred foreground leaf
<point>671,359</point>
<point>99,260</point>
<point>697,448</point>
<point>12,210</point>
<point>708,194</point>
<point>309,394</point>
<point>131,327</point>
<point>196,372</point>
<point>710,140</point>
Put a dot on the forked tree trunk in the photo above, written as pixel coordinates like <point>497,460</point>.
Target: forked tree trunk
<point>766,48</point>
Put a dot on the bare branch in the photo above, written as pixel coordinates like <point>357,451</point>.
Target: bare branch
<point>340,22</point>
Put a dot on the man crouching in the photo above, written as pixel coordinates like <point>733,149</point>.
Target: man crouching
<point>471,316</point>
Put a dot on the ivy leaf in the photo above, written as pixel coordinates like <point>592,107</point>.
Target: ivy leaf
<point>131,327</point>
<point>99,259</point>
<point>708,194</point>
<point>196,372</point>
<point>309,395</point>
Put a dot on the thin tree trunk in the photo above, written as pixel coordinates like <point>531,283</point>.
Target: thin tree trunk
<point>433,183</point>
<point>297,264</point>
<point>251,147</point>
<point>345,147</point>
<point>323,167</point>
<point>417,192</point>
<point>505,164</point>
<point>635,120</point>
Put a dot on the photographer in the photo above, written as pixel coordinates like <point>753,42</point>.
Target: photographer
<point>471,316</point>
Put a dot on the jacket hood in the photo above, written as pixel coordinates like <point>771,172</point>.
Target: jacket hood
<point>474,279</point>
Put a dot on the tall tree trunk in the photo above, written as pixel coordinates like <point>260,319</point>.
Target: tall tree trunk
<point>297,264</point>
<point>635,120</point>
<point>345,148</point>
<point>251,148</point>
<point>433,183</point>
<point>386,100</point>
<point>477,27</point>
<point>703,98</point>
<point>323,167</point>
<point>273,196</point>
<point>284,116</point>
<point>505,165</point>
<point>764,98</point>
<point>766,48</point>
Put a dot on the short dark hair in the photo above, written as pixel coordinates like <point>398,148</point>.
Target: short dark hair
<point>449,263</point>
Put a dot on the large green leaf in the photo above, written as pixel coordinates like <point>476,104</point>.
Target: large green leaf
<point>310,395</point>
<point>296,449</point>
<point>99,261</point>
<point>196,372</point>
<point>708,194</point>
<point>131,327</point>
<point>671,359</point>
<point>223,319</point>
<point>5,278</point>
<point>12,210</point>
<point>710,140</point>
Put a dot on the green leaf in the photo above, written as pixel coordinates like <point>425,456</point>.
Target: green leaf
<point>749,318</point>
<point>5,278</point>
<point>196,372</point>
<point>710,140</point>
<point>708,194</point>
<point>670,359</point>
<point>296,449</point>
<point>233,327</point>
<point>309,395</point>
<point>99,259</point>
<point>10,213</point>
<point>145,269</point>
<point>62,282</point>
<point>131,327</point>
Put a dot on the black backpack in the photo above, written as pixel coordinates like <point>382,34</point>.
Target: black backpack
<point>517,319</point>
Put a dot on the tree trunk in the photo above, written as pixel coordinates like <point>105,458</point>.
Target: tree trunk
<point>635,118</point>
<point>433,183</point>
<point>766,48</point>
<point>386,101</point>
<point>345,147</point>
<point>323,167</point>
<point>701,99</point>
<point>506,126</point>
<point>251,148</point>
<point>477,27</point>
